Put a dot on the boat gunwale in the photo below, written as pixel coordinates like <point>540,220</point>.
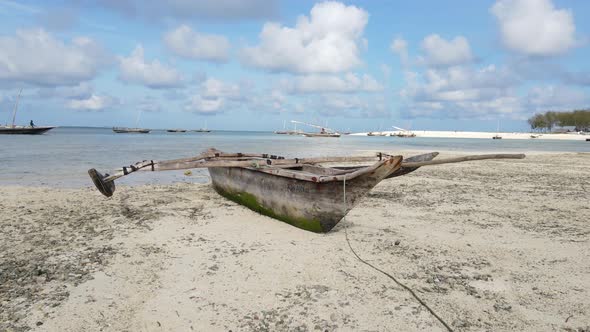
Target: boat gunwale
<point>321,178</point>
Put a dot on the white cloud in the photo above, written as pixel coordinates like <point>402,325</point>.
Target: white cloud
<point>205,106</point>
<point>215,96</point>
<point>185,42</point>
<point>557,98</point>
<point>348,83</point>
<point>329,41</point>
<point>440,52</point>
<point>37,57</point>
<point>80,91</point>
<point>458,82</point>
<point>535,27</point>
<point>92,103</point>
<point>155,75</point>
<point>214,88</point>
<point>399,46</point>
<point>353,106</point>
<point>274,101</point>
<point>462,92</point>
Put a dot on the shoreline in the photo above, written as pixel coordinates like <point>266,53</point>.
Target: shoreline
<point>487,135</point>
<point>80,179</point>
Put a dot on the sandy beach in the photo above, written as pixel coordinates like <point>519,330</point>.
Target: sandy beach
<point>488,135</point>
<point>489,246</point>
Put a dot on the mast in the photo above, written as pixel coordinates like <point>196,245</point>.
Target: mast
<point>137,120</point>
<point>16,107</point>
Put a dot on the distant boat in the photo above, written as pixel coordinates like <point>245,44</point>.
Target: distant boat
<point>125,130</point>
<point>321,134</point>
<point>497,136</point>
<point>176,130</point>
<point>8,130</point>
<point>324,131</point>
<point>402,133</point>
<point>136,130</point>
<point>22,130</point>
<point>288,132</point>
<point>284,131</point>
<point>202,130</point>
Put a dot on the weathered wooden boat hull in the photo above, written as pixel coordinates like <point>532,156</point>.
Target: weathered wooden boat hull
<point>312,206</point>
<point>24,130</point>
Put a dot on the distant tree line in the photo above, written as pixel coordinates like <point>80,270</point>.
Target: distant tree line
<point>579,119</point>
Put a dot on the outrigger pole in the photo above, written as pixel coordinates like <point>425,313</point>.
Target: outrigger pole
<point>215,158</point>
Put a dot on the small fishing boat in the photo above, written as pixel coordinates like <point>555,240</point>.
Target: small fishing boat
<point>321,134</point>
<point>298,191</point>
<point>22,130</point>
<point>202,130</point>
<point>497,136</point>
<point>405,133</point>
<point>284,131</point>
<point>136,130</point>
<point>324,131</point>
<point>176,130</point>
<point>125,130</point>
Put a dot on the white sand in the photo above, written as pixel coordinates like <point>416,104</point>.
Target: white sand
<point>488,135</point>
<point>490,246</point>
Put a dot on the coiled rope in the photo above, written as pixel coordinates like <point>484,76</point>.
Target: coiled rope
<point>387,274</point>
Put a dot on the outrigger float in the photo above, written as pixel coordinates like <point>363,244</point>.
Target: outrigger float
<point>298,191</point>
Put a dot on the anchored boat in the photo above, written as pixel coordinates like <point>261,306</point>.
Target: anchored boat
<point>22,130</point>
<point>125,130</point>
<point>298,191</point>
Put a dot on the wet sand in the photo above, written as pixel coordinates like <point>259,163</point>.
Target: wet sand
<point>489,246</point>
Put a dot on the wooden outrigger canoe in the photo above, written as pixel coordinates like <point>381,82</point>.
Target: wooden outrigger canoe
<point>297,191</point>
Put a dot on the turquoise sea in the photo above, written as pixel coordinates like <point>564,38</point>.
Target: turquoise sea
<point>63,155</point>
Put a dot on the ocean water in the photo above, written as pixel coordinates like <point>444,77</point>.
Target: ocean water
<point>63,155</point>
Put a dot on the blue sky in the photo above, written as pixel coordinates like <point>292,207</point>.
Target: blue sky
<point>251,65</point>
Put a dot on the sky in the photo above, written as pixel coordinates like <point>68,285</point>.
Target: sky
<point>258,64</point>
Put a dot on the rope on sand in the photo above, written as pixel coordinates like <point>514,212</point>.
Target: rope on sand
<point>389,275</point>
<point>399,283</point>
